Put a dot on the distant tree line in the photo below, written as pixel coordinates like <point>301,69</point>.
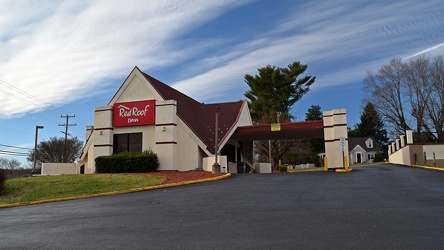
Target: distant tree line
<point>10,164</point>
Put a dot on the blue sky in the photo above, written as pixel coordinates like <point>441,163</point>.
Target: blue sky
<point>67,57</point>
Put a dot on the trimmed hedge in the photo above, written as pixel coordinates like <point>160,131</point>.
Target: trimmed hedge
<point>282,168</point>
<point>128,162</point>
<point>2,181</point>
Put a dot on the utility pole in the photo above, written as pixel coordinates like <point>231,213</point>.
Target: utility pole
<point>35,147</point>
<point>66,125</point>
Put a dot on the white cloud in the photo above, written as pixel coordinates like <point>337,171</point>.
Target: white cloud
<point>344,40</point>
<point>59,51</point>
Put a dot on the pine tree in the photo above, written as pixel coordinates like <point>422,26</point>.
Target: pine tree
<point>371,125</point>
<point>272,93</point>
<point>275,90</point>
<point>313,113</point>
<point>316,144</point>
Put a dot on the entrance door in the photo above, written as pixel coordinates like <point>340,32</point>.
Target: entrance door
<point>358,157</point>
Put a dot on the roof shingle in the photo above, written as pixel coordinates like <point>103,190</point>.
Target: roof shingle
<point>200,117</point>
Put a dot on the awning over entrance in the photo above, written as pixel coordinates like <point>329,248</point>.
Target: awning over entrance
<point>286,131</point>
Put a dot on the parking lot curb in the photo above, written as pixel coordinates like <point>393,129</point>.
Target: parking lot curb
<point>341,170</point>
<point>132,190</point>
<point>419,166</point>
<point>427,167</point>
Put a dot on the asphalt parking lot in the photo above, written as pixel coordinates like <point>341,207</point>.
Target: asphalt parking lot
<point>374,207</point>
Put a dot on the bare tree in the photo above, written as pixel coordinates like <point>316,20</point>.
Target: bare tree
<point>386,92</point>
<point>416,83</point>
<point>424,82</point>
<point>10,165</point>
<point>435,106</point>
<point>4,163</point>
<point>410,92</point>
<point>53,150</point>
<point>13,164</point>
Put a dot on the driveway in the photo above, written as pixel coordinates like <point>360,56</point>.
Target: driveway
<point>374,207</point>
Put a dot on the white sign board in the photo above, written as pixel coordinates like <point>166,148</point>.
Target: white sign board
<point>342,139</point>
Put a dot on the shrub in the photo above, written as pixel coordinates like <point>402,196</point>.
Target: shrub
<point>378,157</point>
<point>282,168</point>
<point>128,162</point>
<point>2,181</point>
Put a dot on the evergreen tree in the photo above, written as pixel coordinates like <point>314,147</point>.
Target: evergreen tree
<point>275,90</point>
<point>315,145</point>
<point>372,125</point>
<point>313,113</point>
<point>272,94</point>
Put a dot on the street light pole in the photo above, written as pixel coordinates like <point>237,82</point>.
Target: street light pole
<point>216,165</point>
<point>35,147</point>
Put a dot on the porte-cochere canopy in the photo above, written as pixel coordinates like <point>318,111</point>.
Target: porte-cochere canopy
<point>287,131</point>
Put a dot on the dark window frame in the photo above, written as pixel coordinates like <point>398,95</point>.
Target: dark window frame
<point>128,142</point>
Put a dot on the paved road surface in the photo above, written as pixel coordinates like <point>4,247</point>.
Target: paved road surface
<point>376,207</point>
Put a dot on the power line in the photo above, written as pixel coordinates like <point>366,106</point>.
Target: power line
<point>33,102</point>
<point>26,133</point>
<point>4,152</point>
<point>34,98</point>
<point>9,146</point>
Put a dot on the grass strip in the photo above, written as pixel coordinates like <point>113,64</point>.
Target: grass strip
<point>30,189</point>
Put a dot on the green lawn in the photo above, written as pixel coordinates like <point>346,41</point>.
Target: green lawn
<point>29,189</point>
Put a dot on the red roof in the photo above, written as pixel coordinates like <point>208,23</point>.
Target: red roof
<point>199,117</point>
<point>287,131</point>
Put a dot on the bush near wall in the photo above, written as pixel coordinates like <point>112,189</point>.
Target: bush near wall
<point>2,181</point>
<point>128,162</point>
<point>378,157</point>
<point>282,168</point>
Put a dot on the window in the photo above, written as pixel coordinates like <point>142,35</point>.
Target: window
<point>127,142</point>
<point>230,151</point>
<point>369,143</point>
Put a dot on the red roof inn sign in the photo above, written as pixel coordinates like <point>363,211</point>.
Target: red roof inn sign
<point>134,113</point>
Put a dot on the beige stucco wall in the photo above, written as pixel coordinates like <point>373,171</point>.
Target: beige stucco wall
<point>165,134</point>
<point>401,156</point>
<point>413,154</point>
<point>406,155</point>
<point>437,149</point>
<point>209,161</point>
<point>58,168</point>
<point>136,89</point>
<point>335,127</point>
<point>187,149</point>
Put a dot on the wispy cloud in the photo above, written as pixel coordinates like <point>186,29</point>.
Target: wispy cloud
<point>67,50</point>
<point>339,42</point>
<point>59,51</point>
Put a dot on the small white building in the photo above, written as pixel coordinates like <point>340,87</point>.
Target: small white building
<point>362,149</point>
<point>148,114</point>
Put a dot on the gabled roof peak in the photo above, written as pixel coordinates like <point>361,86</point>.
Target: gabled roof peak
<point>200,117</point>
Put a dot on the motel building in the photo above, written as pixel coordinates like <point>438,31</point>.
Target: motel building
<point>148,114</point>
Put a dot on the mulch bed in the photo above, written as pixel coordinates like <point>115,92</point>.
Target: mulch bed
<point>176,176</point>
